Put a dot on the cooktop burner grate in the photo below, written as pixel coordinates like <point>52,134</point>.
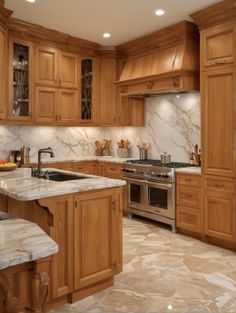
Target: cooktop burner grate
<point>159,164</point>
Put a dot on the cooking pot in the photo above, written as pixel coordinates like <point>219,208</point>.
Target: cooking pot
<point>165,158</point>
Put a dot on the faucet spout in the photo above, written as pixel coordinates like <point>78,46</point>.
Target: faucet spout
<point>40,152</point>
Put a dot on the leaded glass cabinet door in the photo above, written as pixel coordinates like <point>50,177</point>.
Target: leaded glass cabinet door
<point>20,80</point>
<point>89,91</point>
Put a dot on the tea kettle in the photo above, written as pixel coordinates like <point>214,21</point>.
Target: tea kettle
<point>25,157</point>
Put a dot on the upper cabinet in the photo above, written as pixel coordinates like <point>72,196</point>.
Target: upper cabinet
<point>3,49</point>
<point>89,90</point>
<point>56,68</point>
<point>20,80</point>
<point>218,45</point>
<point>46,66</point>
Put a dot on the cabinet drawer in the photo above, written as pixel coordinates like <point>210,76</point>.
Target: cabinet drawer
<point>82,167</point>
<point>188,219</point>
<point>189,197</point>
<point>226,185</point>
<point>112,170</point>
<point>188,180</point>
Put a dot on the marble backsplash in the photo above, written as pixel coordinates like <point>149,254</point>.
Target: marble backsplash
<point>172,125</point>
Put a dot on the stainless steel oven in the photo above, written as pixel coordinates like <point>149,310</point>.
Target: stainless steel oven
<point>152,199</point>
<point>159,198</point>
<point>151,189</point>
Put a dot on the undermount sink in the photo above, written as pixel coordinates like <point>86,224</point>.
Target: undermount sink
<point>59,176</point>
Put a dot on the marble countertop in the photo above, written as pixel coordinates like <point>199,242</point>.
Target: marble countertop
<point>109,159</point>
<point>19,185</point>
<point>189,170</point>
<point>22,241</point>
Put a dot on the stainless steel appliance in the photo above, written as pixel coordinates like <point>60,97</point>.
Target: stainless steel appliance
<point>151,189</point>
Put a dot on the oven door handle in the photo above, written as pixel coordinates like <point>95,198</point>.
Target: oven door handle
<point>133,180</point>
<point>164,186</point>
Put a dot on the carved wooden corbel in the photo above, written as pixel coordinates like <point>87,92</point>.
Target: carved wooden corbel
<point>9,301</point>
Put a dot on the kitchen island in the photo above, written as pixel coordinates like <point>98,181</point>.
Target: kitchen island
<point>84,217</point>
<point>25,252</point>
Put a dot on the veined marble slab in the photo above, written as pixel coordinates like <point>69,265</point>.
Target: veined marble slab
<point>189,170</point>
<point>22,241</point>
<point>19,185</point>
<point>109,159</point>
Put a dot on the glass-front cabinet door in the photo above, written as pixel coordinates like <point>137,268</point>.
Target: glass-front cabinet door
<point>20,80</point>
<point>89,69</point>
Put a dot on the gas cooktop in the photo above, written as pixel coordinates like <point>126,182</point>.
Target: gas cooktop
<point>159,164</point>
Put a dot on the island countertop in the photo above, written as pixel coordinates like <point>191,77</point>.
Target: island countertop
<point>19,185</point>
<point>22,241</point>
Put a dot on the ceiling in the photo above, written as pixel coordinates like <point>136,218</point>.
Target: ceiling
<point>88,19</point>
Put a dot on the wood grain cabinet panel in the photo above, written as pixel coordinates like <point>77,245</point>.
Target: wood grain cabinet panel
<point>67,107</point>
<point>3,50</point>
<point>95,237</point>
<point>45,105</point>
<point>220,216</point>
<point>62,232</point>
<point>112,170</point>
<point>108,113</point>
<point>218,87</point>
<point>68,70</point>
<point>188,202</point>
<point>46,66</point>
<point>218,45</point>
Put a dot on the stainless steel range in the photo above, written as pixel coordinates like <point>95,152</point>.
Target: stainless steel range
<point>151,189</point>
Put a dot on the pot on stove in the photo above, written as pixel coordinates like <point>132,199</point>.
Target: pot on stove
<point>165,158</point>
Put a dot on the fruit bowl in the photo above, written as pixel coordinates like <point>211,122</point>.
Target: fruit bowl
<point>7,166</point>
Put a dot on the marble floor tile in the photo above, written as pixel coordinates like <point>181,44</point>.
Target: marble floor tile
<point>163,273</point>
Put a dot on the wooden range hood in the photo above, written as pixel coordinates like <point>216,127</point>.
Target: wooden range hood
<point>163,62</point>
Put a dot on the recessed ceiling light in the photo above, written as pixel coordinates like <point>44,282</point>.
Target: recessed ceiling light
<point>31,1</point>
<point>159,12</point>
<point>106,35</point>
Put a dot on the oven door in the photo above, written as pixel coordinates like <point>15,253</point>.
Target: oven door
<point>160,199</point>
<point>135,193</point>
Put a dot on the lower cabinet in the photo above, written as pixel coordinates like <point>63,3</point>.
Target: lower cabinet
<point>87,226</point>
<point>220,209</point>
<point>95,238</point>
<point>188,208</point>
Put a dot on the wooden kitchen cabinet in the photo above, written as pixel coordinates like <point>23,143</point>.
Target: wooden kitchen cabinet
<point>131,111</point>
<point>57,106</point>
<point>108,113</point>
<point>95,241</point>
<point>46,65</point>
<point>218,121</point>
<point>218,45</point>
<point>3,56</point>
<point>56,68</point>
<point>219,211</point>
<point>188,203</point>
<point>112,170</point>
<point>68,70</point>
<point>21,80</point>
<point>82,167</point>
<point>89,105</point>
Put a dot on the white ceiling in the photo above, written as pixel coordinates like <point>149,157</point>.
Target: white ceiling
<point>88,19</point>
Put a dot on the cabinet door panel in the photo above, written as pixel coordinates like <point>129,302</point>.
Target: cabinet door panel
<point>3,72</point>
<point>68,67</point>
<point>62,232</point>
<point>67,106</point>
<point>94,238</point>
<point>108,92</point>
<point>218,45</point>
<point>218,122</point>
<point>21,73</point>
<point>220,216</point>
<point>46,66</point>
<point>45,104</point>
